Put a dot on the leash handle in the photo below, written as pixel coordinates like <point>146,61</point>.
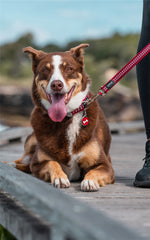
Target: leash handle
<point>134,61</point>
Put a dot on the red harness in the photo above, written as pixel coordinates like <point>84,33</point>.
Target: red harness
<point>111,83</point>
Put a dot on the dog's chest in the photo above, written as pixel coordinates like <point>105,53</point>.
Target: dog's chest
<point>73,171</point>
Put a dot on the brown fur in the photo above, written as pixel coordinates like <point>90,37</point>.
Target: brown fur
<point>48,147</point>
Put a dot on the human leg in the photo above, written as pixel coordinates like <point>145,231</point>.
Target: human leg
<point>142,178</point>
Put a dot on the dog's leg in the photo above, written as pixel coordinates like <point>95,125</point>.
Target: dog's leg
<point>47,169</point>
<point>99,175</point>
<point>23,163</point>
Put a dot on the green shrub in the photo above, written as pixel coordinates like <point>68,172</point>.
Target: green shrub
<point>5,235</point>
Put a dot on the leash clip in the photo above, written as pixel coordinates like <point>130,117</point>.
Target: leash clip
<point>101,92</point>
<point>69,114</point>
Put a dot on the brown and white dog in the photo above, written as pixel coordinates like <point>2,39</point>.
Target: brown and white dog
<point>61,149</point>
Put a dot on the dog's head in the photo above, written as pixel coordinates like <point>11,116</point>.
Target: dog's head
<point>60,82</point>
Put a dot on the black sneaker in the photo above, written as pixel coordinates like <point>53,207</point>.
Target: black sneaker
<point>142,178</point>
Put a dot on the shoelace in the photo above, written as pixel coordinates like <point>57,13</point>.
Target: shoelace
<point>147,160</point>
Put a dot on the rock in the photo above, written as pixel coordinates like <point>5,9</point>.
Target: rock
<point>15,100</point>
<point>118,107</point>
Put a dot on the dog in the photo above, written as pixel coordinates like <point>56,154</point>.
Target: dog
<point>66,144</point>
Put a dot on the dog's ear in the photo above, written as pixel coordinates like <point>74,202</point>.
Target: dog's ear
<point>35,55</point>
<point>77,52</point>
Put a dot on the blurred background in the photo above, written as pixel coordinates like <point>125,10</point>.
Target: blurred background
<point>111,27</point>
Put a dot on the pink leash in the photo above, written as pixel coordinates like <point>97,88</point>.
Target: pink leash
<point>134,61</point>
<point>111,83</point>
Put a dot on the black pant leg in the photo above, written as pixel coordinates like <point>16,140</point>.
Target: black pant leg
<point>143,68</point>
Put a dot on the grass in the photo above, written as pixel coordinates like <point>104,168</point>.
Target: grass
<point>5,235</point>
<point>21,82</point>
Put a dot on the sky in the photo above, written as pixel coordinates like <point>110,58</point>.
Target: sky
<point>61,21</point>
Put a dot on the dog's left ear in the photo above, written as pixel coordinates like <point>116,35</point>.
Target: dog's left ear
<point>36,56</point>
<point>77,52</point>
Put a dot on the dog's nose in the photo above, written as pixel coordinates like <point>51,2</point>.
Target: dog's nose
<point>57,85</point>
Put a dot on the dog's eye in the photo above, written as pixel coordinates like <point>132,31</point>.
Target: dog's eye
<point>46,70</point>
<point>69,69</point>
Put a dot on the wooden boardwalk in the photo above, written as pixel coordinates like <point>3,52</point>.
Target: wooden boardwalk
<point>120,201</point>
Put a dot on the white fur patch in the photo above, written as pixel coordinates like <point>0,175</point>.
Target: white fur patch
<point>73,171</point>
<point>26,160</point>
<point>13,164</point>
<point>57,75</point>
<point>61,183</point>
<point>46,104</point>
<point>89,186</point>
<point>76,101</point>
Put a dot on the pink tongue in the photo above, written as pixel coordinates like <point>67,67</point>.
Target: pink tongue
<point>58,110</point>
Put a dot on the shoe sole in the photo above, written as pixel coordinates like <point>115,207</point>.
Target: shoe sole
<point>144,184</point>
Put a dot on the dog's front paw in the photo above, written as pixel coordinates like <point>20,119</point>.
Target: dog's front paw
<point>89,185</point>
<point>61,183</point>
<point>13,164</point>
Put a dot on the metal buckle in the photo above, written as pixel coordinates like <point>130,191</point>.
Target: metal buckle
<point>102,91</point>
<point>69,114</point>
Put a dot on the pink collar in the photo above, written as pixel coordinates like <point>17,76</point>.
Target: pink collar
<point>80,108</point>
